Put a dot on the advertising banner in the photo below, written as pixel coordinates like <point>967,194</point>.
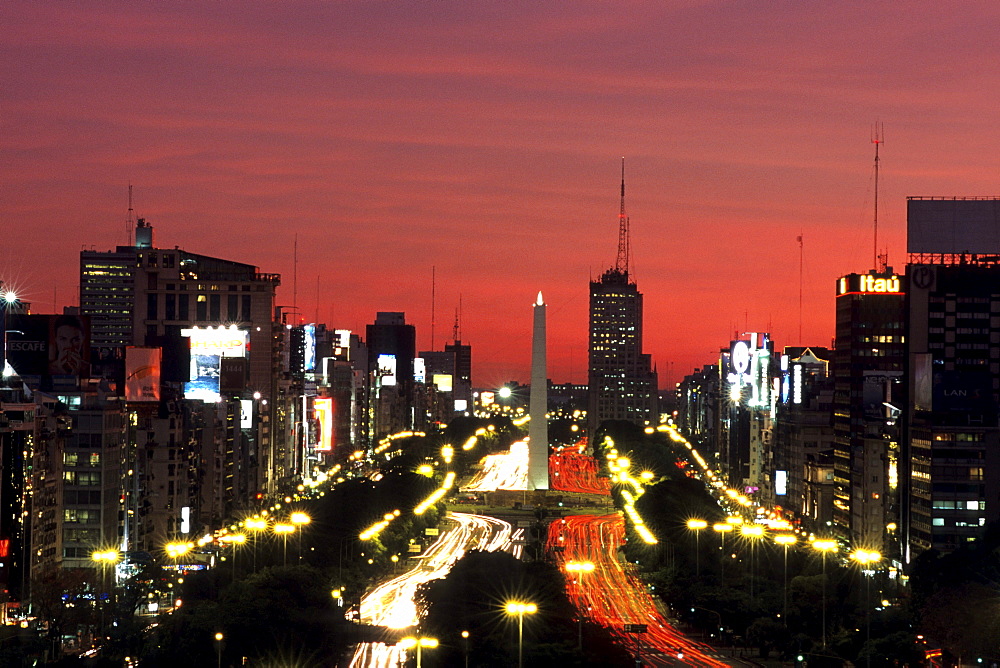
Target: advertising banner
<point>323,410</point>
<point>208,347</point>
<point>49,350</point>
<point>142,373</point>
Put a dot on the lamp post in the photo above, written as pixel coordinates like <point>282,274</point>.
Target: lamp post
<point>753,533</point>
<point>104,559</point>
<point>465,642</point>
<point>865,558</point>
<point>697,526</point>
<point>299,520</point>
<point>7,299</point>
<point>824,546</point>
<point>722,528</point>
<point>579,568</point>
<point>234,540</point>
<point>784,540</point>
<point>283,530</point>
<point>520,609</point>
<point>256,525</point>
<point>218,648</point>
<point>419,643</point>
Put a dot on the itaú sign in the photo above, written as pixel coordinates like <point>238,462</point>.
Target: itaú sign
<point>870,284</point>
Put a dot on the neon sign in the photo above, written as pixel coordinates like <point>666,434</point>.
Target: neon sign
<point>889,284</point>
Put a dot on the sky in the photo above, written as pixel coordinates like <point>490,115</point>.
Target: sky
<point>361,148</point>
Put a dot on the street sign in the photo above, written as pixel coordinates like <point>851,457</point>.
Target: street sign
<point>635,628</point>
<point>431,531</point>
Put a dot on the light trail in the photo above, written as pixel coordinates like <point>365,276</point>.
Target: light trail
<point>570,471</point>
<point>614,597</point>
<point>505,470</point>
<point>391,604</point>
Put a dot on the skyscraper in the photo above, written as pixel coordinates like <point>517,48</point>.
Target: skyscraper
<point>953,340</point>
<point>622,385</point>
<point>392,346</point>
<point>868,365</point>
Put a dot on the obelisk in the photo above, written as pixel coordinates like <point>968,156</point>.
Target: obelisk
<point>538,427</point>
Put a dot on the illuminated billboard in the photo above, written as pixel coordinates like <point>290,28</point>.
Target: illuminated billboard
<point>442,381</point>
<point>309,352</point>
<point>870,284</point>
<point>49,350</point>
<point>246,413</point>
<point>387,370</point>
<point>323,410</point>
<point>142,374</point>
<point>419,370</point>
<point>208,346</point>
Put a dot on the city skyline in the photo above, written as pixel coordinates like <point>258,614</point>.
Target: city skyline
<point>484,141</point>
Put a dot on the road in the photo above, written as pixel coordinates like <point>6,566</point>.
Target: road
<point>571,471</point>
<point>391,603</point>
<point>614,597</point>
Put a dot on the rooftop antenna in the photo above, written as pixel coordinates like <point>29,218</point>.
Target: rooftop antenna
<point>621,264</point>
<point>433,295</point>
<point>130,221</point>
<point>800,287</point>
<point>456,332</point>
<point>878,137</point>
<point>295,274</point>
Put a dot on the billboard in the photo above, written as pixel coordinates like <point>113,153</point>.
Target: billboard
<point>387,370</point>
<point>442,381</point>
<point>937,225</point>
<point>142,373</point>
<point>49,350</point>
<point>323,410</point>
<point>246,413</point>
<point>309,348</point>
<point>232,375</point>
<point>208,347</point>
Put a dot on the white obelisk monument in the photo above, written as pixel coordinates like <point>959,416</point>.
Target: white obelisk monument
<point>538,427</point>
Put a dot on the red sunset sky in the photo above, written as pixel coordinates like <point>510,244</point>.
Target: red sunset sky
<point>484,139</point>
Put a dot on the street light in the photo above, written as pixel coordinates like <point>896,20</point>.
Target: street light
<point>235,540</point>
<point>579,567</point>
<point>256,525</point>
<point>104,559</point>
<point>753,533</point>
<point>865,558</point>
<point>411,642</point>
<point>824,546</point>
<point>7,299</point>
<point>218,648</point>
<point>722,528</point>
<point>300,519</point>
<point>520,609</point>
<point>465,641</point>
<point>283,530</point>
<point>784,540</point>
<point>697,526</point>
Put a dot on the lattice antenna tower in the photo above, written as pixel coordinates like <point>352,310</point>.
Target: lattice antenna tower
<point>457,329</point>
<point>878,137</point>
<point>130,220</point>
<point>624,242</point>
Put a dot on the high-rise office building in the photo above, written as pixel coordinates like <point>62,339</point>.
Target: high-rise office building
<point>391,351</point>
<point>621,382</point>
<point>868,366</point>
<point>952,484</point>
